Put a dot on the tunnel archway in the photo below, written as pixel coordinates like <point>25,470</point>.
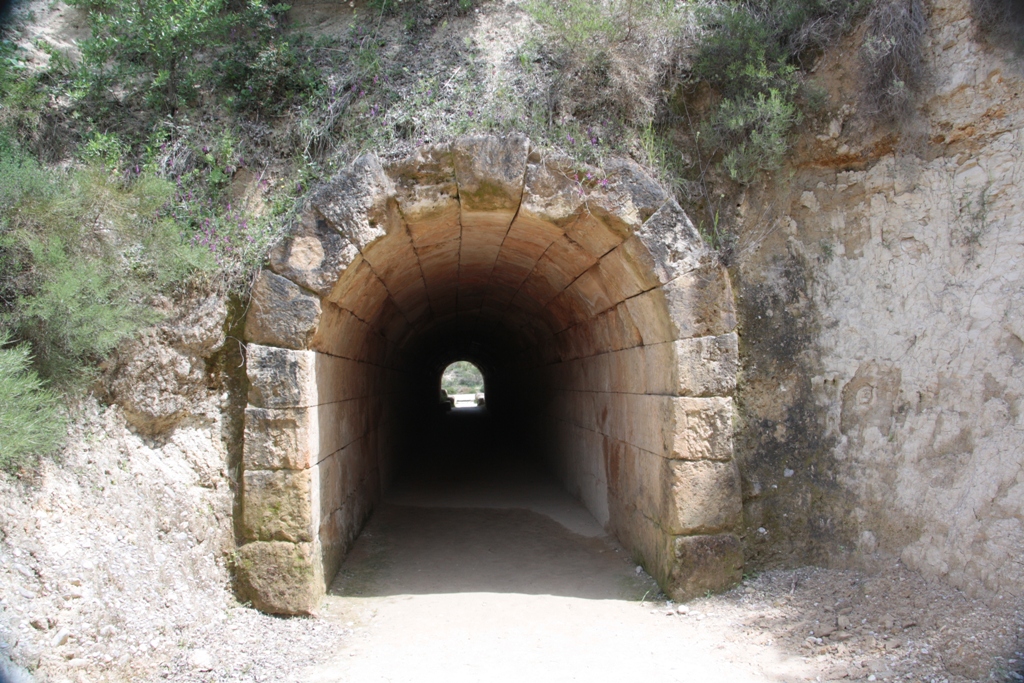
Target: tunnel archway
<point>585,295</point>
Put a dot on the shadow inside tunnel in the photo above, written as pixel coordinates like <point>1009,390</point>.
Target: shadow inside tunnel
<point>413,550</point>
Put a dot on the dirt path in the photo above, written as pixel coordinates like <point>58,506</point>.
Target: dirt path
<point>441,588</point>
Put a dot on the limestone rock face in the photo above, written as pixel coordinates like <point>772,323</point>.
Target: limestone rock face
<point>156,384</point>
<point>281,313</point>
<point>159,377</point>
<point>883,329</point>
<point>201,330</point>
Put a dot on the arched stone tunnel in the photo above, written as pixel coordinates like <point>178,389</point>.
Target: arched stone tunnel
<point>604,326</point>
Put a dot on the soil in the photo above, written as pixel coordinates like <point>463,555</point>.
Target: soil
<point>510,579</point>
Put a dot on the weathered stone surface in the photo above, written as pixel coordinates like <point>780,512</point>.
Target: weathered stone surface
<point>700,302</point>
<point>673,245</point>
<point>358,202</point>
<point>490,171</point>
<point>279,577</point>
<point>314,256</point>
<point>427,194</point>
<point>156,384</point>
<point>625,196</point>
<point>159,377</point>
<point>278,505</point>
<point>280,378</point>
<point>707,366</point>
<point>200,331</point>
<point>703,429</point>
<point>275,439</point>
<point>704,563</point>
<point>704,497</point>
<point>555,190</point>
<point>281,313</point>
<point>869,398</point>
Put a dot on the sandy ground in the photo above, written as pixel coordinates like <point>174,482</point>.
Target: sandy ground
<point>510,579</point>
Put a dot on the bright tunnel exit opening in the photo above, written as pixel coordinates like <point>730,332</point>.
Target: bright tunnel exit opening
<point>462,385</point>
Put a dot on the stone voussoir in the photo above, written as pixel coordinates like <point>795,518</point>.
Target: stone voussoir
<point>314,256</point>
<point>358,202</point>
<point>278,577</point>
<point>281,313</point>
<point>490,172</point>
<point>673,244</point>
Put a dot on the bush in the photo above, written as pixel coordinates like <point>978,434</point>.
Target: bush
<point>31,421</point>
<point>82,253</point>
<point>1002,21</point>
<point>891,54</point>
<point>758,129</point>
<point>750,53</point>
<point>153,41</point>
<point>266,71</point>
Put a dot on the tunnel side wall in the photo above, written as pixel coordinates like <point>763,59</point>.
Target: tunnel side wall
<point>642,424</point>
<point>625,325</point>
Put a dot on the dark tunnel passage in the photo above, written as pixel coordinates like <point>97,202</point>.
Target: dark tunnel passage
<point>437,442</point>
<point>603,326</point>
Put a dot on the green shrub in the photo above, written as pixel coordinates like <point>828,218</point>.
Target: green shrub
<point>76,313</point>
<point>31,420</point>
<point>755,133</point>
<point>750,53</point>
<point>154,42</point>
<point>266,71</point>
<point>82,252</point>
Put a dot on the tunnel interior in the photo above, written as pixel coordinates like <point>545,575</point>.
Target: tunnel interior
<point>602,324</point>
<point>439,439</point>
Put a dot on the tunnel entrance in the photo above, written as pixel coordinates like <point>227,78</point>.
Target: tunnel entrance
<point>603,326</point>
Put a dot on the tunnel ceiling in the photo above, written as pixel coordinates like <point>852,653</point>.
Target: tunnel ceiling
<point>484,229</point>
